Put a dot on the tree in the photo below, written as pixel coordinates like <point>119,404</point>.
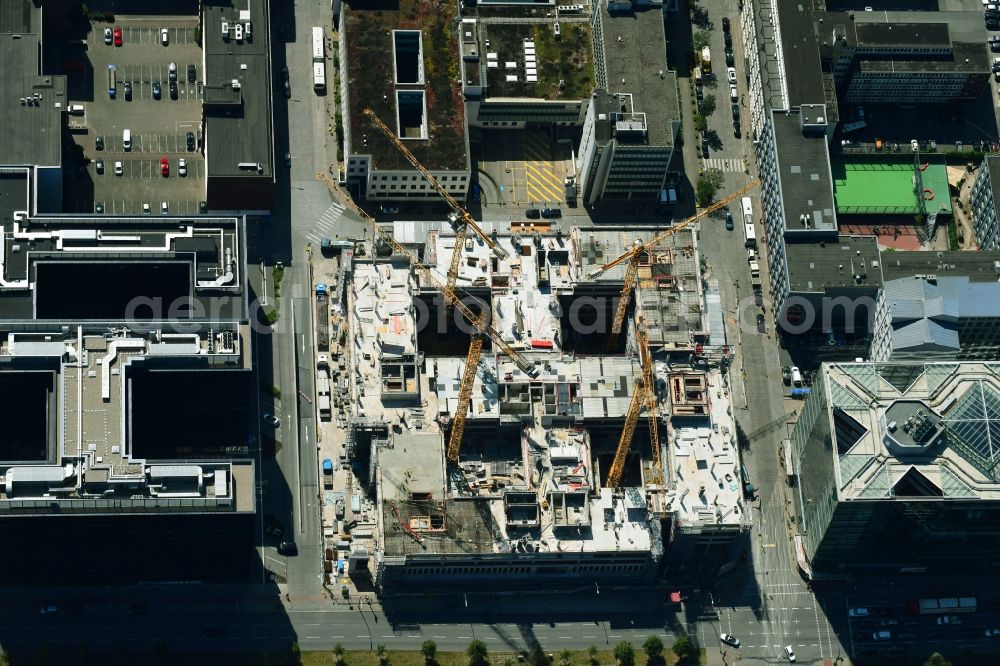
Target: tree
<point>338,654</point>
<point>625,654</point>
<point>565,657</point>
<point>592,656</point>
<point>684,649</point>
<point>429,649</point>
<point>701,39</point>
<point>708,184</point>
<point>383,656</point>
<point>937,660</point>
<point>478,654</point>
<point>700,124</point>
<point>706,107</point>
<point>295,653</point>
<point>537,656</point>
<point>653,647</point>
<point>4,660</point>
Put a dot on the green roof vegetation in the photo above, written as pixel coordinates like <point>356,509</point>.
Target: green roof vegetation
<point>368,30</point>
<point>887,186</point>
<point>569,59</point>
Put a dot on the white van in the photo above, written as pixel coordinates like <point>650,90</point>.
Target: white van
<point>797,381</point>
<point>75,109</point>
<point>127,139</point>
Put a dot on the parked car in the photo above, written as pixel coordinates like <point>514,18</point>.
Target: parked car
<point>790,653</point>
<point>286,86</point>
<point>760,323</point>
<point>164,36</point>
<point>731,74</point>
<point>736,111</point>
<point>729,640</point>
<point>854,612</point>
<point>288,548</point>
<point>272,420</point>
<point>99,165</point>
<point>146,210</point>
<point>190,140</point>
<point>532,213</point>
<point>118,36</point>
<point>730,58</point>
<point>734,94</point>
<point>390,210</point>
<point>737,132</point>
<point>99,208</point>
<point>949,620</point>
<point>202,207</point>
<point>173,90</point>
<point>889,623</point>
<point>992,633</point>
<point>192,74</point>
<point>164,166</point>
<point>172,71</point>
<point>727,37</point>
<point>729,220</point>
<point>119,168</point>
<point>128,91</point>
<point>182,167</point>
<point>758,300</point>
<point>108,36</point>
<point>725,24</point>
<point>47,610</point>
<point>99,143</point>
<point>551,213</point>
<point>157,92</point>
<point>881,636</point>
<point>163,208</point>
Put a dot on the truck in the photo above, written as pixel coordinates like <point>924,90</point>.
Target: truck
<point>754,269</point>
<point>321,290</point>
<point>942,605</point>
<point>327,246</point>
<point>706,61</point>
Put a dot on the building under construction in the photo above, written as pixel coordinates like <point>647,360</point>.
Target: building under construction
<point>565,468</point>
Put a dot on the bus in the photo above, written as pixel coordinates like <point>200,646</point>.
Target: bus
<point>319,60</point>
<point>751,235</point>
<point>112,81</point>
<point>747,207</point>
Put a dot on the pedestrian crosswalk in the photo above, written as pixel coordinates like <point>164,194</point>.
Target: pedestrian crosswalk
<point>328,224</point>
<point>732,165</point>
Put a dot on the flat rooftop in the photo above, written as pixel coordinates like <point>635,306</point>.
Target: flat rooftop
<point>918,35</point>
<point>966,57</point>
<point>818,266</point>
<point>122,265</point>
<point>370,31</point>
<point>978,266</point>
<point>887,185</point>
<point>804,174</point>
<point>564,66</point>
<point>33,104</point>
<point>633,48</point>
<point>800,52</point>
<point>238,116</point>
<point>912,430</point>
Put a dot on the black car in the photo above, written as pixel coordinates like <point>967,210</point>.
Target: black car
<point>730,58</point>
<point>532,213</point>
<point>725,24</point>
<point>202,207</point>
<point>288,160</point>
<point>551,213</point>
<point>736,111</point>
<point>99,208</point>
<point>284,82</point>
<point>737,130</point>
<point>100,166</point>
<point>128,91</point>
<point>704,149</point>
<point>760,323</point>
<point>994,42</point>
<point>288,548</point>
<point>729,220</point>
<point>758,298</point>
<point>192,74</point>
<point>996,66</point>
<point>190,140</point>
<point>173,90</point>
<point>156,90</point>
<point>728,38</point>
<point>99,143</point>
<point>699,93</point>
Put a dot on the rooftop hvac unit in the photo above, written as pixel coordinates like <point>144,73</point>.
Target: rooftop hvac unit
<point>236,84</point>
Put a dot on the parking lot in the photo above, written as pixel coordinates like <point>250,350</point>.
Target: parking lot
<point>159,120</point>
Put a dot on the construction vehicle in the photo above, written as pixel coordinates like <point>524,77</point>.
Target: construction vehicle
<point>645,389</point>
<point>460,219</point>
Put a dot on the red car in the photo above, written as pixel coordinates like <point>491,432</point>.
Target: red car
<point>164,166</point>
<point>118,36</point>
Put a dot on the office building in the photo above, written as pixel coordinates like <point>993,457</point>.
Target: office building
<point>984,201</point>
<point>895,468</point>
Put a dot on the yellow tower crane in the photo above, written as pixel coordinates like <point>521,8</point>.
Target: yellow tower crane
<point>460,218</point>
<point>645,389</point>
<point>479,322</point>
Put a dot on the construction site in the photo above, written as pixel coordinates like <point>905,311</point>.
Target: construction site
<point>523,402</point>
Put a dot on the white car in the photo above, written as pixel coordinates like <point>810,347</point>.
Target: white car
<point>108,36</point>
<point>164,36</point>
<point>182,167</point>
<point>731,74</point>
<point>790,653</point>
<point>854,612</point>
<point>272,420</point>
<point>119,168</point>
<point>145,209</point>
<point>729,640</point>
<point>914,145</point>
<point>734,94</point>
<point>163,208</point>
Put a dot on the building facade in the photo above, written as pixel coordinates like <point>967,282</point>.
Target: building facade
<point>984,201</point>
